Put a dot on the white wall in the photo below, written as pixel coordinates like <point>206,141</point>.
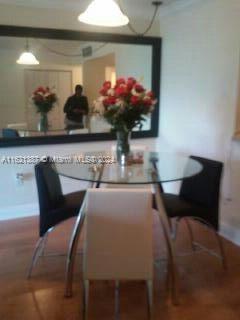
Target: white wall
<point>138,64</point>
<point>131,61</point>
<point>201,51</point>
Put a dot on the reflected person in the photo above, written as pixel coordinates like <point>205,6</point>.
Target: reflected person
<point>76,107</point>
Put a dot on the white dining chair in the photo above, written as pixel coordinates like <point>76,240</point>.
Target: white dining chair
<point>98,124</point>
<point>20,127</point>
<point>17,126</point>
<point>78,131</point>
<point>118,239</point>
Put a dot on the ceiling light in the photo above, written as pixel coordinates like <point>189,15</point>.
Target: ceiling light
<point>106,13</point>
<point>27,57</point>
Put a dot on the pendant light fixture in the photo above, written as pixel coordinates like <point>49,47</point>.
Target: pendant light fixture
<point>106,13</point>
<point>27,57</point>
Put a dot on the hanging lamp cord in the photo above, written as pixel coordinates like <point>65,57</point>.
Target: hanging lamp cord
<point>156,4</point>
<point>46,47</point>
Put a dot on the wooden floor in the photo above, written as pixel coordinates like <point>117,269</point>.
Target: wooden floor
<point>206,291</point>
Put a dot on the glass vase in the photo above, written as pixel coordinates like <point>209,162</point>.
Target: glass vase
<point>123,147</point>
<point>43,122</point>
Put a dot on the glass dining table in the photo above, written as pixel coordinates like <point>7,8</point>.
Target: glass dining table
<point>147,168</point>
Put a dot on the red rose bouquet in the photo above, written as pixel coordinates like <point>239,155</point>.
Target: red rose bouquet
<point>126,103</point>
<point>44,99</point>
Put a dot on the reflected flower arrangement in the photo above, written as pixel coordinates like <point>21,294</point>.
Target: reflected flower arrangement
<point>44,99</point>
<point>124,104</point>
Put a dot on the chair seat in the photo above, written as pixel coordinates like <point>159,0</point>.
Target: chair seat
<point>177,206</point>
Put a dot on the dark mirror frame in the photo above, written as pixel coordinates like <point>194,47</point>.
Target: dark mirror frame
<point>57,34</point>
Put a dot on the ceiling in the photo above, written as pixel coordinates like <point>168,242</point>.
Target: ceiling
<point>81,4</point>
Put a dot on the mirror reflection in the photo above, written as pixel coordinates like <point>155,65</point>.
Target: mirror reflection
<point>52,89</point>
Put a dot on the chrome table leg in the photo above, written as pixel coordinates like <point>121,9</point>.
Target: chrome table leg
<point>167,232</point>
<point>167,235</point>
<point>73,249</point>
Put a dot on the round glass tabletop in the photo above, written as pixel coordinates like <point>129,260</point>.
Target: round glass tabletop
<point>102,167</point>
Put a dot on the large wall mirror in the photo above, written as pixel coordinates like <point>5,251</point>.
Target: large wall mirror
<point>68,59</point>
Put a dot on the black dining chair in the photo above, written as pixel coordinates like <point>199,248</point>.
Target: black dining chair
<point>10,133</point>
<point>198,199</point>
<point>54,206</point>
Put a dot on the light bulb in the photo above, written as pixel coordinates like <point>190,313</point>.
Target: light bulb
<point>27,58</point>
<point>105,13</point>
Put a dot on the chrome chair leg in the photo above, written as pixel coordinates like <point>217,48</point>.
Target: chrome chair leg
<point>222,255</point>
<point>188,225</point>
<point>85,298</point>
<point>150,298</point>
<point>44,245</point>
<point>174,229</point>
<point>117,306</point>
<point>221,249</point>
<point>36,254</point>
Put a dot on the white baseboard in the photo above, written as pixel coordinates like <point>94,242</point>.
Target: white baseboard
<point>231,233</point>
<point>21,211</point>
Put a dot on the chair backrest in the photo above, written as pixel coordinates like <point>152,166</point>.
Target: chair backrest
<point>17,126</point>
<point>204,188</point>
<point>48,186</point>
<point>118,244</point>
<point>78,131</point>
<point>9,133</point>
